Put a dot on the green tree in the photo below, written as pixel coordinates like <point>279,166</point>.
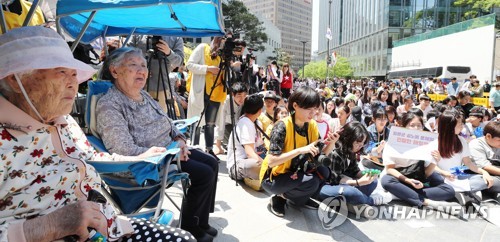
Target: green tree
<point>317,69</point>
<point>477,6</point>
<point>280,56</point>
<point>240,20</point>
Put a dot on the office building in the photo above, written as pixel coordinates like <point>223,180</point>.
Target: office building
<point>294,19</point>
<point>364,30</point>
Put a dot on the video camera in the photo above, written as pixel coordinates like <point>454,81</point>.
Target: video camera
<point>249,56</point>
<point>230,46</point>
<point>154,41</point>
<point>309,163</point>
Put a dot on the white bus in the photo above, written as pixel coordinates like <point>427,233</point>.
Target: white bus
<point>445,73</point>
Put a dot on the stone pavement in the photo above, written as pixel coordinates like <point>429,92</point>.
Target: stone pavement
<point>242,214</point>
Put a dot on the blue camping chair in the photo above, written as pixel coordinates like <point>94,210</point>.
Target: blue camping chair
<point>151,177</point>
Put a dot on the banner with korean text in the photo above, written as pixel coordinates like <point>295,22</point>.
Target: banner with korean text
<point>409,144</point>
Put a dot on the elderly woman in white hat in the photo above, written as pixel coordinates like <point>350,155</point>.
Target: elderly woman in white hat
<point>45,180</point>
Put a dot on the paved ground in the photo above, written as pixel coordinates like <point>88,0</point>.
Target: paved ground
<point>242,215</point>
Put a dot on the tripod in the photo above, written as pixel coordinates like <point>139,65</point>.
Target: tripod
<point>225,69</point>
<point>162,64</point>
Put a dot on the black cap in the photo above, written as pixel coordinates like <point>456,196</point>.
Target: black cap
<point>270,95</point>
<point>477,111</point>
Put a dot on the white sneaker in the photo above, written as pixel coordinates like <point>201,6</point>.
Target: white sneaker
<point>381,198</point>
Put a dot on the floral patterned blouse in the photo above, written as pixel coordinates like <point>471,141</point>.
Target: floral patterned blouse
<point>43,169</point>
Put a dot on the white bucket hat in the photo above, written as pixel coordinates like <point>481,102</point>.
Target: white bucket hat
<point>30,48</point>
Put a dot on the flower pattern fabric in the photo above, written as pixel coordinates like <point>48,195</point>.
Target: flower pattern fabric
<point>37,177</point>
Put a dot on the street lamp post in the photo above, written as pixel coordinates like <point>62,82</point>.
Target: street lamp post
<point>328,58</point>
<point>303,56</point>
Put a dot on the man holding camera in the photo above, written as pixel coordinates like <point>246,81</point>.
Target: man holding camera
<point>238,66</point>
<point>171,49</point>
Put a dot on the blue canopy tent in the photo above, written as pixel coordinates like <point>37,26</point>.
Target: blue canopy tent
<point>86,20</point>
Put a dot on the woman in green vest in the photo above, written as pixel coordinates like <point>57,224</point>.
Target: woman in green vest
<point>294,137</point>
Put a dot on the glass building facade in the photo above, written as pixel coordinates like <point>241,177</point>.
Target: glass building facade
<point>364,31</point>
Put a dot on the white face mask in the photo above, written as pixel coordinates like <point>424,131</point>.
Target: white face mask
<point>27,98</point>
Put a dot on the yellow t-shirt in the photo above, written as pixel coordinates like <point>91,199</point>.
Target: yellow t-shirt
<point>290,138</point>
<point>219,94</point>
<point>265,120</point>
<point>14,20</point>
<point>268,132</point>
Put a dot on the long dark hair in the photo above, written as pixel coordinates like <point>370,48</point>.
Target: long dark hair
<point>408,117</point>
<point>333,113</point>
<point>351,132</point>
<point>448,141</point>
<point>365,98</point>
<point>277,111</point>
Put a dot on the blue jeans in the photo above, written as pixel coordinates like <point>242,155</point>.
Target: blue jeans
<point>477,183</point>
<point>438,190</point>
<point>353,195</point>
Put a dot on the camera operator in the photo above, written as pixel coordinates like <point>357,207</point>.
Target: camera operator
<point>260,78</point>
<point>251,74</point>
<point>169,47</point>
<point>292,137</point>
<point>204,67</point>
<point>273,77</point>
<point>238,66</point>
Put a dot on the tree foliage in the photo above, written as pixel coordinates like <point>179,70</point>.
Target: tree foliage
<point>317,69</point>
<point>280,56</point>
<point>240,20</point>
<point>477,6</point>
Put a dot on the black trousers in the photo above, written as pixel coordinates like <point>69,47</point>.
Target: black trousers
<point>202,169</point>
<point>298,189</point>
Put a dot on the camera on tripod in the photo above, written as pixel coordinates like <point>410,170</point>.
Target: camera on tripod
<point>230,46</point>
<point>249,56</point>
<point>154,41</point>
<point>308,163</point>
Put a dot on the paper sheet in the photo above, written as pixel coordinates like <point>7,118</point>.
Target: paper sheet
<point>459,185</point>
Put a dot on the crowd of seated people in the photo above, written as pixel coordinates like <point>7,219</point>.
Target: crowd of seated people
<point>278,136</point>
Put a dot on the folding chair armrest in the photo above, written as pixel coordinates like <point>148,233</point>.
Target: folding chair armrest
<point>123,166</point>
<point>112,166</point>
<point>184,123</point>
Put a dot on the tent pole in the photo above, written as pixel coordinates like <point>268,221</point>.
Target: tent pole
<point>174,17</point>
<point>85,27</point>
<point>3,24</point>
<point>28,18</point>
<point>105,42</point>
<point>129,37</point>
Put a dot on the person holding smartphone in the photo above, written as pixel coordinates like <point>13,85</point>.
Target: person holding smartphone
<point>291,137</point>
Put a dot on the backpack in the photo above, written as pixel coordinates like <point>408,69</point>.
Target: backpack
<point>83,53</point>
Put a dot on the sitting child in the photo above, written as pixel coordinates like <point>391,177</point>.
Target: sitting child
<point>246,159</point>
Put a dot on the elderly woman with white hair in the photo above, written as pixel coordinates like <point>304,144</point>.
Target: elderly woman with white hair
<point>45,179</point>
<point>130,122</point>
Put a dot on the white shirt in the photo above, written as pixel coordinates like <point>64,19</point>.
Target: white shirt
<point>426,111</point>
<point>456,160</point>
<point>246,134</point>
